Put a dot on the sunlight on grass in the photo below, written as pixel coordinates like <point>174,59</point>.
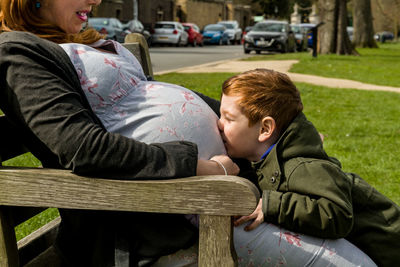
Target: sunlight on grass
<point>376,66</point>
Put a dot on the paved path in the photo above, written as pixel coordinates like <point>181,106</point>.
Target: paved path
<point>281,66</point>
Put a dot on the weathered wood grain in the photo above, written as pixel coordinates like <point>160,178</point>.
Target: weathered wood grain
<point>8,243</point>
<point>216,241</point>
<point>213,195</point>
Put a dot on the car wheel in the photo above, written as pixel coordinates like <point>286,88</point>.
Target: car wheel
<point>220,41</point>
<point>178,44</point>
<point>194,44</point>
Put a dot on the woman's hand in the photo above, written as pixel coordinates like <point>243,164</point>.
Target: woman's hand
<point>212,166</point>
<point>257,216</point>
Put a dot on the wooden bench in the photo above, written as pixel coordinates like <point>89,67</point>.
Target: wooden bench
<point>25,192</point>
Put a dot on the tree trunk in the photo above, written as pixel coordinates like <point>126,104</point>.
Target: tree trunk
<point>327,32</point>
<point>332,36</point>
<point>363,28</point>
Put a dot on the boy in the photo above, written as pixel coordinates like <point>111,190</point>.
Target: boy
<point>304,190</point>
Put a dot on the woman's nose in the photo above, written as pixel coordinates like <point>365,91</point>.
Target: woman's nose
<point>94,2</point>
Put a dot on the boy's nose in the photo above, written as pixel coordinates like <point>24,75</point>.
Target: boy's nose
<point>220,125</point>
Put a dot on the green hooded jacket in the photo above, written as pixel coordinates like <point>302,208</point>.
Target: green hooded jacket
<point>306,191</point>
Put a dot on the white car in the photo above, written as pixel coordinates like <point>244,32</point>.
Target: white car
<point>233,31</point>
<point>169,32</point>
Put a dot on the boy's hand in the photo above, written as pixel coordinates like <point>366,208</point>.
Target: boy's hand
<point>257,216</point>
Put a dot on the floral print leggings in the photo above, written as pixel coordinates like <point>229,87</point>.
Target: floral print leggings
<point>270,245</point>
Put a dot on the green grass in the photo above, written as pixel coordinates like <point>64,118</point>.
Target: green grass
<point>376,66</point>
<point>361,128</point>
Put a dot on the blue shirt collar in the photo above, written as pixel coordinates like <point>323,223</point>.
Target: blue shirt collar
<point>267,152</point>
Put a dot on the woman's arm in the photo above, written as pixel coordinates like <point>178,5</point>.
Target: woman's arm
<point>41,93</point>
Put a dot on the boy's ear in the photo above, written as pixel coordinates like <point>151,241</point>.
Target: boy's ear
<point>267,129</point>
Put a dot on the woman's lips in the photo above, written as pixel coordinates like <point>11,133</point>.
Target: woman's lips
<point>82,15</point>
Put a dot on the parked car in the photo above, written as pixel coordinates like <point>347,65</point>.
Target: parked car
<point>246,30</point>
<point>300,34</point>
<point>195,37</point>
<point>136,26</point>
<point>270,35</point>
<point>350,31</point>
<point>169,32</point>
<point>111,27</point>
<point>384,36</point>
<point>215,34</point>
<point>233,30</point>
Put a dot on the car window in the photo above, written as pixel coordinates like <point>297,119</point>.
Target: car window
<point>215,28</point>
<point>196,28</point>
<point>228,25</point>
<point>164,26</point>
<point>296,29</point>
<point>98,21</point>
<point>118,24</point>
<point>269,27</point>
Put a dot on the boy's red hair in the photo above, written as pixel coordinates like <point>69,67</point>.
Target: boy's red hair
<point>263,93</point>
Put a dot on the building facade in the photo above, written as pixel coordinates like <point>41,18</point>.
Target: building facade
<point>201,12</point>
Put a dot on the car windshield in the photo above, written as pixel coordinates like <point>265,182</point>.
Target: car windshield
<point>306,28</point>
<point>269,27</point>
<point>227,25</point>
<point>214,28</point>
<point>99,21</point>
<point>164,26</point>
<point>186,28</point>
<point>296,29</point>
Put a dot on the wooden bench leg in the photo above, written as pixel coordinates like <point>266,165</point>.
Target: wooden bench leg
<point>8,243</point>
<point>216,241</point>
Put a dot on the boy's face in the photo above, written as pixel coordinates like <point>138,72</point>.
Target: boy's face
<point>240,140</point>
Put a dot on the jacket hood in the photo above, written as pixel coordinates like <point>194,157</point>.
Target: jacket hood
<point>301,139</point>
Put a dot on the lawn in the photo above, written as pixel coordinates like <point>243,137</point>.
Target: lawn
<point>376,66</point>
<point>361,128</point>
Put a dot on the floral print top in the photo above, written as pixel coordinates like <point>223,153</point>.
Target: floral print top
<point>148,111</point>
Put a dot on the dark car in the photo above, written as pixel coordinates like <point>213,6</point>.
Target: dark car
<point>384,36</point>
<point>136,26</point>
<point>215,34</point>
<point>195,37</point>
<point>270,35</point>
<point>301,37</point>
<point>111,27</point>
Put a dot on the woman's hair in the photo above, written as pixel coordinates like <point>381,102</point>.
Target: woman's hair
<point>22,15</point>
<point>265,93</point>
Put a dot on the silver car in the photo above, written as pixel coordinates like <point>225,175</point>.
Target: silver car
<point>169,32</point>
<point>233,30</point>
